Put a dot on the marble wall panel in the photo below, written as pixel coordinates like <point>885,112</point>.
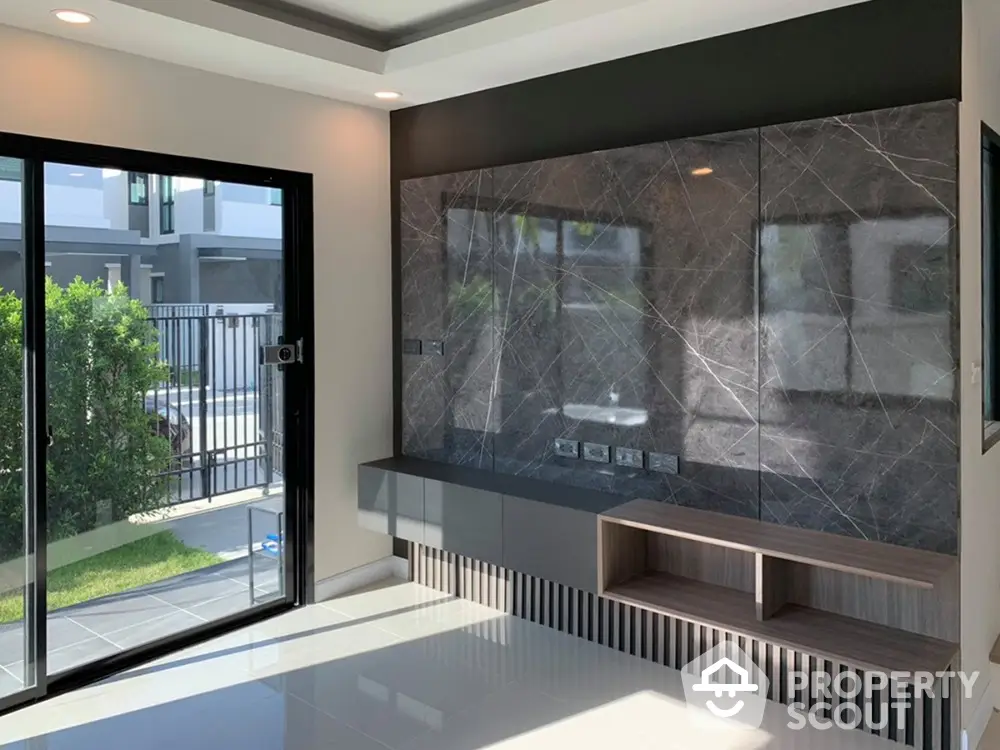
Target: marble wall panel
<point>776,307</point>
<point>858,293</point>
<point>626,315</point>
<point>447,296</point>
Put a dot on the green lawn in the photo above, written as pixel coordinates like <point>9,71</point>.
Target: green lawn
<point>145,561</point>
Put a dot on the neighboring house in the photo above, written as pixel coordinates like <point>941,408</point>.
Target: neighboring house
<point>169,239</point>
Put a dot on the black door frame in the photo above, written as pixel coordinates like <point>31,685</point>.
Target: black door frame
<point>299,381</point>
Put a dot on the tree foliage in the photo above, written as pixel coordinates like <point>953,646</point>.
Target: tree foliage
<point>106,461</point>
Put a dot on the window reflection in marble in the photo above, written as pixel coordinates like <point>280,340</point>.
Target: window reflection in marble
<point>447,295</point>
<point>859,416</point>
<point>784,323</point>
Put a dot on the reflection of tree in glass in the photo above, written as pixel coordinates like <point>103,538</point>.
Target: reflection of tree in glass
<point>470,300</point>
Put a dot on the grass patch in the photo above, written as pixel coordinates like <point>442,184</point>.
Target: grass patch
<point>149,560</point>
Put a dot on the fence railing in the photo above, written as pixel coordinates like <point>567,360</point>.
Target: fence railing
<point>220,409</point>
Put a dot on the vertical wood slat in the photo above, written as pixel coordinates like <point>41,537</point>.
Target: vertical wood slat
<point>931,722</point>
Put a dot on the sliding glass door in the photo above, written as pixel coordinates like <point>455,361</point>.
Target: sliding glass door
<point>19,666</point>
<point>152,390</point>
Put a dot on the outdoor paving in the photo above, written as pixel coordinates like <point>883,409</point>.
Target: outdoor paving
<point>102,627</point>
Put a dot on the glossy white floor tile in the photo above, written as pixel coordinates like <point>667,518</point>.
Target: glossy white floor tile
<point>399,667</point>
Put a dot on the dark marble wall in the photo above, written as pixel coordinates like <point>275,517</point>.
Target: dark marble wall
<point>618,298</point>
<point>859,325</point>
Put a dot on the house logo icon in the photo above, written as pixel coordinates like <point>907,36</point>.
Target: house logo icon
<point>726,683</point>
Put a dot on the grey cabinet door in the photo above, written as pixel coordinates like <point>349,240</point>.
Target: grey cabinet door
<point>463,520</point>
<point>551,542</point>
<point>391,503</point>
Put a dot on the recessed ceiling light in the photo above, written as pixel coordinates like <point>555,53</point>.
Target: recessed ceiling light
<point>387,95</point>
<point>76,174</point>
<point>73,16</point>
<point>702,171</point>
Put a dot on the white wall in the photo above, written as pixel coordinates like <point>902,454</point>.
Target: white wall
<point>238,219</point>
<point>82,93</point>
<point>980,496</point>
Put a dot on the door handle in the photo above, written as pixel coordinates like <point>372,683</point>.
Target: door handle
<point>50,437</point>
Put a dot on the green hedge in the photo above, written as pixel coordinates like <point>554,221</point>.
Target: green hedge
<point>107,461</point>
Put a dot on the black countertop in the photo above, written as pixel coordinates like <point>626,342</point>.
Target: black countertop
<point>576,498</point>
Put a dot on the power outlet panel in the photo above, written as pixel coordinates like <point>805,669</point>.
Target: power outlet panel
<point>665,463</point>
<point>567,448</point>
<point>631,458</point>
<point>596,452</point>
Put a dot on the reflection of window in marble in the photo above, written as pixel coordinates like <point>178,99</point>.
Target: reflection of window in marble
<point>571,293</point>
<point>470,284</point>
<point>860,306</point>
<point>602,323</point>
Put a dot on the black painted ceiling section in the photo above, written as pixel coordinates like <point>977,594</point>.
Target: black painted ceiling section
<point>881,53</point>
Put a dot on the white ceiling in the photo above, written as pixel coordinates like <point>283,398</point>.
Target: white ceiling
<point>536,39</point>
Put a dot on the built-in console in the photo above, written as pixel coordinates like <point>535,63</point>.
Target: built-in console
<point>856,602</point>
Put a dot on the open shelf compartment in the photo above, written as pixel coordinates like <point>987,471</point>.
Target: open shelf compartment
<point>866,604</point>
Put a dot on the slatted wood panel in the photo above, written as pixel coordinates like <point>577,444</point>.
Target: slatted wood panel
<point>928,724</point>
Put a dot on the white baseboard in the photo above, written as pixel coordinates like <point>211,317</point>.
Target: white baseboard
<point>976,727</point>
<point>358,578</point>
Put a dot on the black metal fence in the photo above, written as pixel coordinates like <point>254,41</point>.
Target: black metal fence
<point>220,409</point>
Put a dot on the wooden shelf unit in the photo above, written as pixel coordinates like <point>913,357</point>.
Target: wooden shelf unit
<point>867,604</point>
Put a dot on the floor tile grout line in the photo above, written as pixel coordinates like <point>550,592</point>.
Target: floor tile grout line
<point>174,609</point>
<point>353,728</point>
<point>80,624</point>
<point>11,673</point>
<point>180,609</point>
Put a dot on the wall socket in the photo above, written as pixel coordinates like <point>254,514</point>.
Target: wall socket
<point>567,448</point>
<point>597,453</point>
<point>411,346</point>
<point>434,346</point>
<point>630,457</point>
<point>665,463</point>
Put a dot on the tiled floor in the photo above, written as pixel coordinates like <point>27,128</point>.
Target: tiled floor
<point>89,631</point>
<point>399,667</point>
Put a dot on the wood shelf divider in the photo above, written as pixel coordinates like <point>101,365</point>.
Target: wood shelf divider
<point>783,585</point>
<point>889,562</point>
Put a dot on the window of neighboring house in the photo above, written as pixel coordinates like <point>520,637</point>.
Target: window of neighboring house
<point>274,196</point>
<point>114,275</point>
<point>10,169</point>
<point>209,187</point>
<point>166,205</point>
<point>156,289</point>
<point>138,189</point>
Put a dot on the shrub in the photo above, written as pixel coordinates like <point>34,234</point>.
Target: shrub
<point>106,462</point>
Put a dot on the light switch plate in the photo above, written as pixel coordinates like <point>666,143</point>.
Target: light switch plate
<point>665,463</point>
<point>567,448</point>
<point>630,457</point>
<point>434,346</point>
<point>597,453</point>
<point>411,346</point>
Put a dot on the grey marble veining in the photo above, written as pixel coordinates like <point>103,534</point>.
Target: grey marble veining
<point>859,344</point>
<point>625,312</point>
<point>776,307</point>
<point>447,287</point>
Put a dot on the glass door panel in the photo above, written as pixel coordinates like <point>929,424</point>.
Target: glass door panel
<point>18,671</point>
<point>165,504</point>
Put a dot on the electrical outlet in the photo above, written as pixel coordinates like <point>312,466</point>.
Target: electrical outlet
<point>665,463</point>
<point>411,346</point>
<point>567,448</point>
<point>434,346</point>
<point>597,453</point>
<point>630,457</point>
